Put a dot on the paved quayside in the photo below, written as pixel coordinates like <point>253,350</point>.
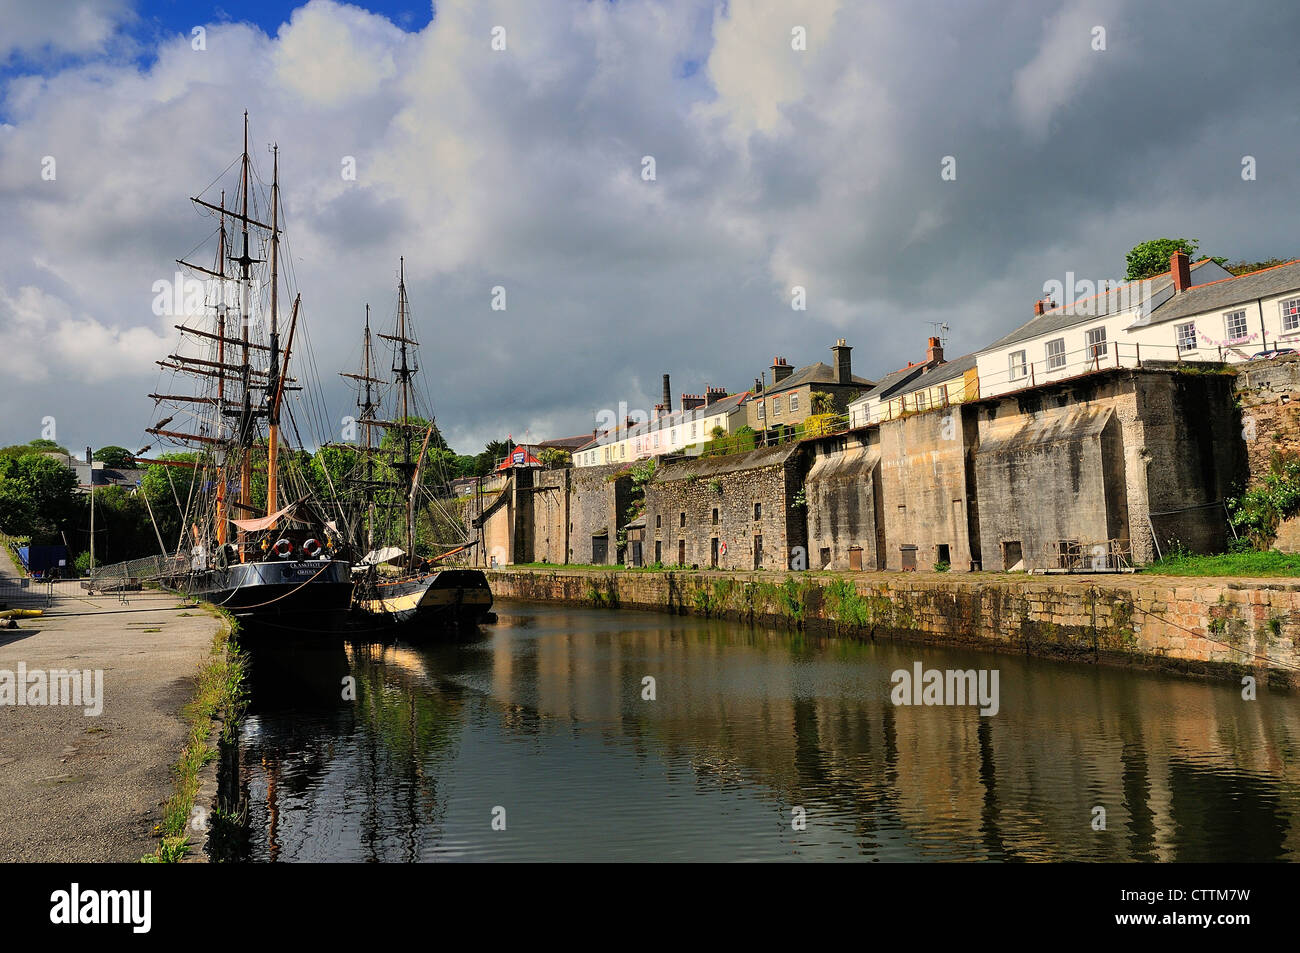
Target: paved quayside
<point>78,787</point>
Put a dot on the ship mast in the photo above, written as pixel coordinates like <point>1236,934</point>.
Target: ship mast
<point>221,374</point>
<point>368,413</point>
<point>404,371</point>
<point>273,372</point>
<point>246,413</point>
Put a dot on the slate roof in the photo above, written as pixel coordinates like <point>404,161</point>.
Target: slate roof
<point>819,373</point>
<point>566,443</point>
<point>892,381</point>
<point>1225,293</point>
<point>678,417</point>
<point>952,370</point>
<point>730,463</point>
<point>1114,301</point>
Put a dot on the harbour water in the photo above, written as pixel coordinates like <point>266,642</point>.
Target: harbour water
<point>536,740</point>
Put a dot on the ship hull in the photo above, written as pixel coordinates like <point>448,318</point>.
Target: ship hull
<point>309,594</point>
<point>448,597</point>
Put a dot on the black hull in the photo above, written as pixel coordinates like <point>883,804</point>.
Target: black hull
<point>307,595</point>
<point>448,598</point>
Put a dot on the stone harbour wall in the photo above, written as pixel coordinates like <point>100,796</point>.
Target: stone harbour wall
<point>1195,626</point>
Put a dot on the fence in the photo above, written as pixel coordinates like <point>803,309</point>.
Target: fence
<point>133,574</point>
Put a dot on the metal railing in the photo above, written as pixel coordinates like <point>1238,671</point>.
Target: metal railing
<point>134,574</point>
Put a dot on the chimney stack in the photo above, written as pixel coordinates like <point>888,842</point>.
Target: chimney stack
<point>934,353</point>
<point>668,397</point>
<point>1181,272</point>
<point>691,401</point>
<point>843,362</point>
<point>713,394</point>
<point>781,369</point>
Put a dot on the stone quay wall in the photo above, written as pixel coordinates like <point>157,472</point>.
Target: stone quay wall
<point>1195,626</point>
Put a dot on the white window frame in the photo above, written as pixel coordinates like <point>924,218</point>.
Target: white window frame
<point>1289,311</point>
<point>1096,342</point>
<point>762,410</point>
<point>1018,365</point>
<point>794,403</point>
<point>1055,361</point>
<point>776,406</point>
<point>1228,317</point>
<point>1185,336</point>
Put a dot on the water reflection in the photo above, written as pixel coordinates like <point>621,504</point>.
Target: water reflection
<point>543,715</point>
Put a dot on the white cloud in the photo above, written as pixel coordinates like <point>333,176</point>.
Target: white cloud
<point>523,169</point>
<point>67,26</point>
<point>45,340</point>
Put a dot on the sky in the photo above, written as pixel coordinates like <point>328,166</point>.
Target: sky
<point>906,165</point>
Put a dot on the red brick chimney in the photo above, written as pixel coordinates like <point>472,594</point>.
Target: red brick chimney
<point>781,369</point>
<point>934,353</point>
<point>1180,270</point>
<point>1038,307</point>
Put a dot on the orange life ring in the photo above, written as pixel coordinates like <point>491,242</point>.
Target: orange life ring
<point>722,549</point>
<point>311,548</point>
<point>283,548</point>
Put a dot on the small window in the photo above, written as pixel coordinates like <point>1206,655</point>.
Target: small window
<point>1055,354</point>
<point>1290,314</point>
<point>683,519</point>
<point>1096,343</point>
<point>762,409</point>
<point>1234,325</point>
<point>692,431</point>
<point>758,511</point>
<point>1018,366</point>
<point>794,403</point>
<point>715,516</point>
<point>776,406</point>
<point>672,437</point>
<point>1186,336</point>
<point>659,521</point>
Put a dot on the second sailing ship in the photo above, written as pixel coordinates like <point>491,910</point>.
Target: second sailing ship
<point>394,583</point>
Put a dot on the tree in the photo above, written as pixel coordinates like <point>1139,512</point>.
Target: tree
<point>1150,258</point>
<point>822,402</point>
<point>553,458</point>
<point>38,496</point>
<point>40,445</point>
<point>115,458</point>
<point>1246,267</point>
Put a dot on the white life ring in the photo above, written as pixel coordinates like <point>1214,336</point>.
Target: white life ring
<point>722,549</point>
<point>283,548</point>
<point>311,548</point>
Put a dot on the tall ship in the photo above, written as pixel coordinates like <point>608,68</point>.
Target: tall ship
<point>399,486</point>
<point>257,537</point>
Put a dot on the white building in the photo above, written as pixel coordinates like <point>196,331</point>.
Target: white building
<point>1110,329</point>
<point>670,432</point>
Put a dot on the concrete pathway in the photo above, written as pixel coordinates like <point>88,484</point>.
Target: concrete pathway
<point>77,787</point>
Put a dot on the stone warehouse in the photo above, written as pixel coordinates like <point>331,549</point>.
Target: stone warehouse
<point>1101,471</point>
<point>732,512</point>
